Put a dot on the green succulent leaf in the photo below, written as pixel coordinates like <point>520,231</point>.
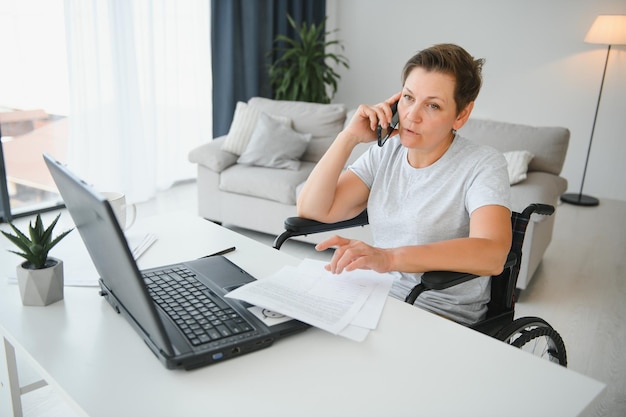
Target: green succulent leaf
<point>35,249</point>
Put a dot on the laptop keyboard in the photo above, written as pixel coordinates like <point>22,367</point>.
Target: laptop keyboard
<point>203,318</point>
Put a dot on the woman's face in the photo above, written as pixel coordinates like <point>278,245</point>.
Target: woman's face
<point>428,111</point>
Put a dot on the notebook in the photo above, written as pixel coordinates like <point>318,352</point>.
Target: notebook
<point>178,310</point>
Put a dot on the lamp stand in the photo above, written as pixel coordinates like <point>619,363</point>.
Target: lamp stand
<point>580,199</point>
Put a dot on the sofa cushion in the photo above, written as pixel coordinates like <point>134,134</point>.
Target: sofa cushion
<point>323,121</point>
<point>274,145</point>
<point>548,144</point>
<point>517,165</point>
<point>318,119</point>
<point>271,184</point>
<point>317,148</point>
<point>243,126</point>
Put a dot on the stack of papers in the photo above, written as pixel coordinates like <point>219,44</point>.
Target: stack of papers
<point>139,247</point>
<point>348,304</point>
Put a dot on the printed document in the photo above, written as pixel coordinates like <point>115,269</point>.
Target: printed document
<point>348,304</point>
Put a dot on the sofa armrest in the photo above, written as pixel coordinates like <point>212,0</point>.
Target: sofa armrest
<point>540,187</point>
<point>211,155</point>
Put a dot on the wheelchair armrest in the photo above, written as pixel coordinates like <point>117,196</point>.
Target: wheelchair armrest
<point>298,226</point>
<point>543,209</point>
<point>301,226</point>
<point>440,280</point>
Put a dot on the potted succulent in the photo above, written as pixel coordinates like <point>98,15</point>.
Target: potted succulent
<point>302,71</point>
<point>40,277</point>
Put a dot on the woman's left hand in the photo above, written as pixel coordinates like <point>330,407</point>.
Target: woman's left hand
<point>354,254</point>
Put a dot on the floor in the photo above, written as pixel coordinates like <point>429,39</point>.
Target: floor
<point>580,289</point>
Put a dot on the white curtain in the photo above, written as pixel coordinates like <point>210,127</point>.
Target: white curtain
<point>140,91</point>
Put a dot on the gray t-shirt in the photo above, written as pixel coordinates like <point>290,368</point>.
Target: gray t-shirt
<point>409,206</point>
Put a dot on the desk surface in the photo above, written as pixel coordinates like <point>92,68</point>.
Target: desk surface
<point>415,363</point>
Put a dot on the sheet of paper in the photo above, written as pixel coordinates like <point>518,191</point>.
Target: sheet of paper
<point>323,302</point>
<point>369,315</point>
<point>356,333</point>
<point>348,304</point>
<point>139,245</point>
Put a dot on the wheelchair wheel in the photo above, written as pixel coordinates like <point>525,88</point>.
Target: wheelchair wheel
<point>536,336</point>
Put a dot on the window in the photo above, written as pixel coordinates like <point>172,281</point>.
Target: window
<point>34,105</point>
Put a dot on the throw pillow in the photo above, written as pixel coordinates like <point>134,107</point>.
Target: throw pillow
<point>274,145</point>
<point>241,128</point>
<point>517,164</point>
<point>244,122</point>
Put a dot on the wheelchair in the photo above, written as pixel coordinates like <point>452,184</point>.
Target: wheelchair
<point>531,334</point>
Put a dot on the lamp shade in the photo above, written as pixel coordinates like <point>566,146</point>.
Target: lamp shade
<point>608,30</point>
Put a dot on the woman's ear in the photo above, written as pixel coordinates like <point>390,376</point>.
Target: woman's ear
<point>463,116</point>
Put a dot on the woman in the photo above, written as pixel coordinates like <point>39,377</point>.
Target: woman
<point>435,200</point>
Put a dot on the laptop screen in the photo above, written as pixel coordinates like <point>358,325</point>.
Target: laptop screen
<point>108,249</point>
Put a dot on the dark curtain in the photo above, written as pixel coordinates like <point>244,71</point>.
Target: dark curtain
<point>5,207</point>
<point>242,34</point>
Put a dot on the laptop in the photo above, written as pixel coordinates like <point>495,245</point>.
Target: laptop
<point>178,310</point>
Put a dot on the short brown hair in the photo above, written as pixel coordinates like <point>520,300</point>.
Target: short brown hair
<point>456,61</point>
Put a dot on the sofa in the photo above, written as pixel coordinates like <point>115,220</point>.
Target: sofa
<point>250,177</point>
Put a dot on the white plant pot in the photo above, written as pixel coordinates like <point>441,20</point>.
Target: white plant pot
<point>41,287</point>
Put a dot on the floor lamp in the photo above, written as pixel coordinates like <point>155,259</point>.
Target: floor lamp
<point>606,30</point>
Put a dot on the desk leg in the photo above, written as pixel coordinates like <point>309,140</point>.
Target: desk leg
<point>10,396</point>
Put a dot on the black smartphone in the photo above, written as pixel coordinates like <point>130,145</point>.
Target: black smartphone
<point>394,123</point>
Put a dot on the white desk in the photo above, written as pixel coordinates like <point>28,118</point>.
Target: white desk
<point>415,363</point>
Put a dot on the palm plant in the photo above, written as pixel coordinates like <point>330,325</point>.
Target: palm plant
<point>302,73</point>
<point>35,249</point>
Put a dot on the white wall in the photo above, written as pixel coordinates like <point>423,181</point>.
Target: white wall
<point>538,70</point>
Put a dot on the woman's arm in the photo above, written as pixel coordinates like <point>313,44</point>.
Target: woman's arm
<point>331,194</point>
<point>484,252</point>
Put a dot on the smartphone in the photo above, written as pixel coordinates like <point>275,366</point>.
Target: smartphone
<point>392,126</point>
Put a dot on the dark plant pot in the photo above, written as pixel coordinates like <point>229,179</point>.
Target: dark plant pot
<point>41,287</point>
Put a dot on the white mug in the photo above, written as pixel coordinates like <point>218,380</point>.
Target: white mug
<point>120,208</point>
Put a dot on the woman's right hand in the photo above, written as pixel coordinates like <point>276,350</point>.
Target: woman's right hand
<point>366,119</point>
